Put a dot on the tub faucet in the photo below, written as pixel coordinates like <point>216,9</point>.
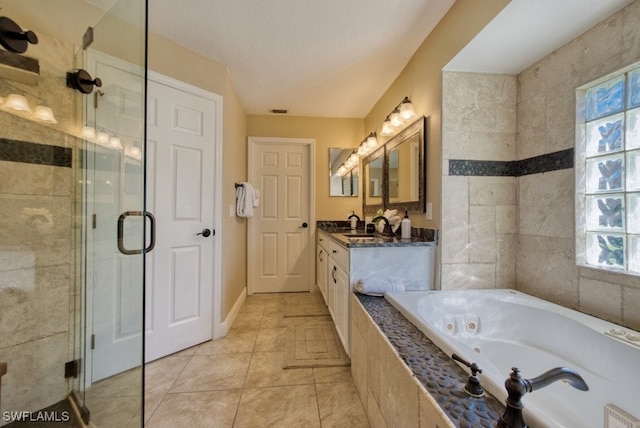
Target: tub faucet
<point>387,226</point>
<point>473,386</point>
<point>517,386</point>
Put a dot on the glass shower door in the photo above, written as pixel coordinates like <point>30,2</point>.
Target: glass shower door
<point>116,225</point>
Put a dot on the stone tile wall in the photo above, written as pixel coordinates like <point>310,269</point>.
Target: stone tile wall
<point>37,247</point>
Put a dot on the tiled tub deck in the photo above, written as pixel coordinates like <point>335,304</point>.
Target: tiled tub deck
<point>405,380</point>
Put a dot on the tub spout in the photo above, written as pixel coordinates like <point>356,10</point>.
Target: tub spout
<point>517,387</point>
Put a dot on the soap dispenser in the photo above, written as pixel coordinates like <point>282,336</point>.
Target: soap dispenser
<point>405,226</point>
<point>354,220</point>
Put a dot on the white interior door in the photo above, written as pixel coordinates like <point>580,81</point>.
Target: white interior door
<point>279,245</point>
<point>181,134</point>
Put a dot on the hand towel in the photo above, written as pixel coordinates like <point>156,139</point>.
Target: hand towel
<point>378,286</point>
<point>245,200</point>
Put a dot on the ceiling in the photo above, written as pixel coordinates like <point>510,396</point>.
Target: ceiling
<point>330,58</point>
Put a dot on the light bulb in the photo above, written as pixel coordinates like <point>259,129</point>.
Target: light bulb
<point>88,133</point>
<point>17,102</point>
<point>45,114</point>
<point>387,128</point>
<point>115,142</point>
<point>102,137</point>
<point>406,109</point>
<point>372,141</point>
<point>396,119</point>
<point>362,149</point>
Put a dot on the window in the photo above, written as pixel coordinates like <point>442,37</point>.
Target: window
<point>608,173</point>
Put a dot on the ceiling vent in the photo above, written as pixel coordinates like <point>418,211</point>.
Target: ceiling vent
<point>279,111</point>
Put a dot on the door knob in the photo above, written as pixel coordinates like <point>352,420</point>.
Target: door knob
<point>304,226</point>
<point>206,233</point>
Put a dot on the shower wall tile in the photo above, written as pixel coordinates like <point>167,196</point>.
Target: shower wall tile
<point>546,221</point>
<point>630,305</point>
<point>35,375</point>
<point>506,263</point>
<point>31,311</point>
<point>26,179</point>
<point>630,35</point>
<point>465,276</point>
<point>482,234</point>
<point>601,299</point>
<point>547,204</point>
<point>492,191</point>
<point>546,268</point>
<point>455,220</point>
<point>506,219</point>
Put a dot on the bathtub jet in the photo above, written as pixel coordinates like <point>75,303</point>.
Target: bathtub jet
<point>517,387</point>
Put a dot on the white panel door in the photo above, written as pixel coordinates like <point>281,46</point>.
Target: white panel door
<point>279,231</point>
<point>181,133</point>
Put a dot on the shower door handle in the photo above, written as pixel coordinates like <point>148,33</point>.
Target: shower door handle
<point>121,220</point>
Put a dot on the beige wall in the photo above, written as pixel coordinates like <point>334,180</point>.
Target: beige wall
<point>546,262</point>
<point>421,82</point>
<point>327,132</point>
<point>168,58</point>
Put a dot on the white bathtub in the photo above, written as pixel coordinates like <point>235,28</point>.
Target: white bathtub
<point>501,329</point>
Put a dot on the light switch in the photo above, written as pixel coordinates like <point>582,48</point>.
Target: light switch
<point>232,210</point>
<point>429,211</point>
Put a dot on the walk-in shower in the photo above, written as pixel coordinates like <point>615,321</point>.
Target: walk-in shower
<point>72,178</point>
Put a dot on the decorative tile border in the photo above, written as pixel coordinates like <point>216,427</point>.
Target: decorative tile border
<point>535,165</point>
<point>34,153</point>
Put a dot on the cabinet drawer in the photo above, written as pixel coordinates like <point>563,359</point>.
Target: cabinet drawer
<point>340,255</point>
<point>323,241</point>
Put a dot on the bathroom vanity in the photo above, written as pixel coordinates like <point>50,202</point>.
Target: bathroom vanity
<point>343,258</point>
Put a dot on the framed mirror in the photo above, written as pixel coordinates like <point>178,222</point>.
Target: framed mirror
<point>403,172</point>
<point>373,178</point>
<point>342,183</point>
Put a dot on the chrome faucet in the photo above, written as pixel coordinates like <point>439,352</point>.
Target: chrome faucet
<point>387,226</point>
<point>517,386</point>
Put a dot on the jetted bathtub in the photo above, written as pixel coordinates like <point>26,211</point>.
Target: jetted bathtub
<point>501,329</point>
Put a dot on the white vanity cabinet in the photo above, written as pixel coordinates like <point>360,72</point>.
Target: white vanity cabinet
<point>342,263</point>
<point>339,290</point>
<point>322,263</point>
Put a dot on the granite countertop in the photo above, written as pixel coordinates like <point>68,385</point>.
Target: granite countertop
<point>338,230</point>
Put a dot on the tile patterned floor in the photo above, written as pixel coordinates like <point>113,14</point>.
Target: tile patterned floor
<point>238,381</point>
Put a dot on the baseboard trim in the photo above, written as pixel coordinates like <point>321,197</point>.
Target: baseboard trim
<point>228,321</point>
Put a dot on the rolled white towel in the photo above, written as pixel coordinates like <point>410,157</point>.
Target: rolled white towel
<point>378,286</point>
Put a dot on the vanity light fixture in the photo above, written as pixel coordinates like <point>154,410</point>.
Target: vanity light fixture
<point>115,142</point>
<point>102,137</point>
<point>398,116</point>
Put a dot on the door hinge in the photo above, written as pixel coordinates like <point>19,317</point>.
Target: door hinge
<point>93,341</point>
<point>94,221</point>
<point>71,369</point>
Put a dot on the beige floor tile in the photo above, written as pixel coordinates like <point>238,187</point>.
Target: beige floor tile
<point>213,373</point>
<point>116,412</point>
<point>285,407</point>
<point>340,406</point>
<point>236,342</point>
<point>185,352</point>
<point>248,321</point>
<point>151,403</point>
<point>266,370</point>
<point>271,339</point>
<point>332,374</point>
<point>125,384</point>
<point>197,409</point>
<point>273,320</point>
<point>162,373</point>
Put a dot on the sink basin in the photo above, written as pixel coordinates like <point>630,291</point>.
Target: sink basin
<point>360,235</point>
